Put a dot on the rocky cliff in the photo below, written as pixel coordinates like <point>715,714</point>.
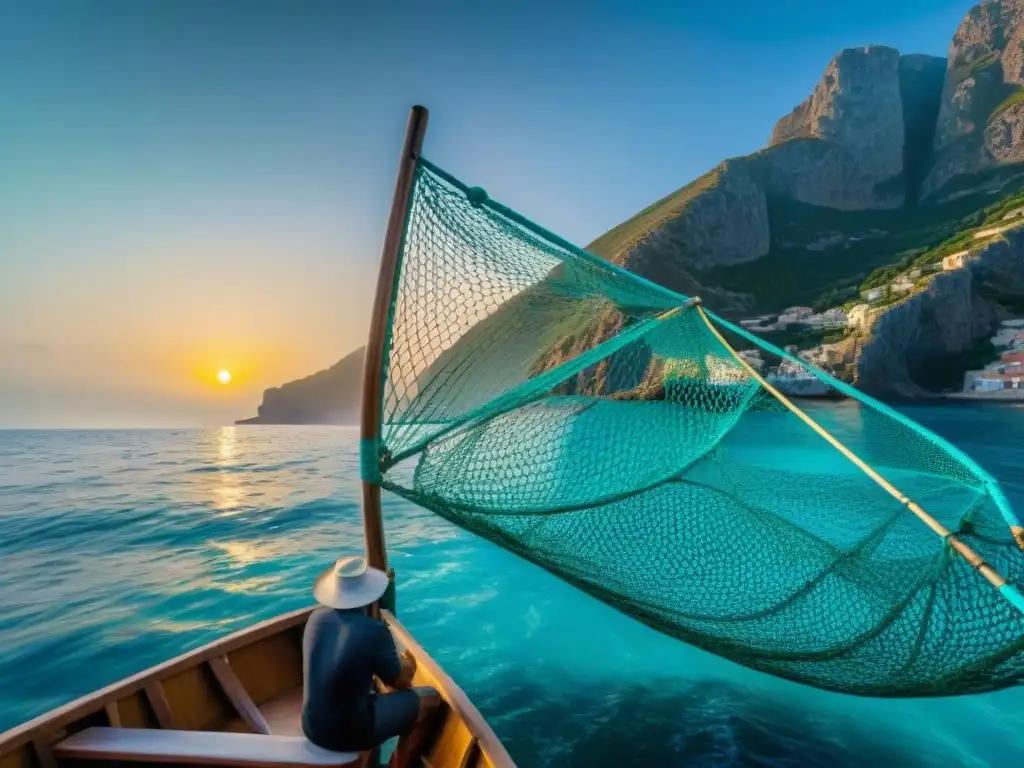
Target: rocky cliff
<point>932,329</point>
<point>331,396</point>
<point>889,155</point>
<point>858,107</point>
<point>981,121</point>
<point>853,145</point>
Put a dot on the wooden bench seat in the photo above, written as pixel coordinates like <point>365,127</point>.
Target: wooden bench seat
<point>200,748</point>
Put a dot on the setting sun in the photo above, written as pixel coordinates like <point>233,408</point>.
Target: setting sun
<point>224,377</point>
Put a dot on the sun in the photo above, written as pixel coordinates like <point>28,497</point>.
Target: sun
<point>224,377</point>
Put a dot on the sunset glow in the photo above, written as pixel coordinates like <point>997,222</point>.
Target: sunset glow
<point>224,377</point>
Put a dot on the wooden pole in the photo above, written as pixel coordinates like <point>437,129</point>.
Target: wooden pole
<point>968,554</point>
<point>373,381</point>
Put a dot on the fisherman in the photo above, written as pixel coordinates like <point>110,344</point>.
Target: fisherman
<point>343,648</point>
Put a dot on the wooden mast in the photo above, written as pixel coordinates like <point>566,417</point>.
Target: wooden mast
<point>373,382</point>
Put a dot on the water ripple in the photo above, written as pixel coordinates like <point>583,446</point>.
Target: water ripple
<point>121,549</point>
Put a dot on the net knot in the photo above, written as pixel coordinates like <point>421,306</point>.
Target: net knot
<point>476,196</point>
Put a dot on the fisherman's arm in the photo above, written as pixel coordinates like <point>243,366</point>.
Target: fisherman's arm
<point>396,670</point>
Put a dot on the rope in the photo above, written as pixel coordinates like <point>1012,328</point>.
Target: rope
<point>1010,592</point>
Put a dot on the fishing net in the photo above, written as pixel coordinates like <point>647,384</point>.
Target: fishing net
<point>606,429</point>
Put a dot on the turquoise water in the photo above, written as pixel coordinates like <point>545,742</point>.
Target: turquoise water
<point>120,549</point>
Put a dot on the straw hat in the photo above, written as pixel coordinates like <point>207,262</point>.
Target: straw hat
<point>350,583</point>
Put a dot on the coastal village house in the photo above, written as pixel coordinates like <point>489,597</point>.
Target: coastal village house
<point>796,316</point>
<point>955,261</point>
<point>874,294</point>
<point>1006,373</point>
<point>859,317</point>
<point>902,284</point>
<point>753,358</point>
<point>805,316</point>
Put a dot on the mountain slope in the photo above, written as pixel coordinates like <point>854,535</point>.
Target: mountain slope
<point>888,158</point>
<point>331,396</point>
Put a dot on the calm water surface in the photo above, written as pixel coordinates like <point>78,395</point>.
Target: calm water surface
<point>121,549</point>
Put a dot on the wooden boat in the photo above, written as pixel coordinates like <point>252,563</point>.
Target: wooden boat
<point>237,701</point>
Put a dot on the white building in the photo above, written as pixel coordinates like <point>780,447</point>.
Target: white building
<point>987,385</point>
<point>874,294</point>
<point>902,284</point>
<point>834,318</point>
<point>859,317</point>
<point>753,358</point>
<point>796,316</point>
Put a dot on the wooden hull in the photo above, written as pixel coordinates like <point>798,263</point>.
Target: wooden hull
<point>250,681</point>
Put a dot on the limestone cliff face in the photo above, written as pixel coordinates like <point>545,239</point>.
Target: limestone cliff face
<point>820,172</point>
<point>842,148</point>
<point>979,124</point>
<point>858,108</point>
<point>332,396</point>
<point>942,320</point>
<point>727,224</point>
<point>957,308</point>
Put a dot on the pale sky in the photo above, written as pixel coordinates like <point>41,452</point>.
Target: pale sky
<point>190,186</point>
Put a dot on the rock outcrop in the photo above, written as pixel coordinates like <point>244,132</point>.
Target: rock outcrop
<point>843,148</point>
<point>943,321</point>
<point>880,133</point>
<point>909,334</point>
<point>331,396</point>
<point>858,108</point>
<point>981,119</point>
<point>702,235</point>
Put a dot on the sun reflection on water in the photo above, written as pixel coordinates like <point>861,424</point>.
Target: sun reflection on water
<point>228,493</point>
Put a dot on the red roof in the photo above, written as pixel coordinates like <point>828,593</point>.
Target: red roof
<point>1013,357</point>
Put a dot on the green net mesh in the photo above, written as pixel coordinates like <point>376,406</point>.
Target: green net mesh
<point>597,424</point>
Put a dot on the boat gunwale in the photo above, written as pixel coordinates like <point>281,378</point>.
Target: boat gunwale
<point>46,728</point>
<point>454,696</point>
<point>93,702</point>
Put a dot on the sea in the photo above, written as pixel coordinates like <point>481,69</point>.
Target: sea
<point>121,549</point>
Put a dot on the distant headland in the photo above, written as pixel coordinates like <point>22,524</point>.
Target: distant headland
<point>331,396</point>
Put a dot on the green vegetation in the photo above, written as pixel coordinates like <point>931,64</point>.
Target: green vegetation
<point>1017,97</point>
<point>845,297</point>
<point>623,237</point>
<point>994,213</point>
<point>990,90</point>
<point>879,241</point>
<point>978,65</point>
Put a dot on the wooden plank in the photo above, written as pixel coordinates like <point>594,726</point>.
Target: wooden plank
<point>269,668</point>
<point>128,687</point>
<point>198,748</point>
<point>161,707</point>
<point>239,697</point>
<point>113,714</point>
<point>472,757</point>
<point>373,375</point>
<point>17,758</point>
<point>284,714</point>
<point>134,711</point>
<point>428,672</point>
<point>43,751</point>
<point>452,744</point>
<point>128,693</point>
<point>195,698</point>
